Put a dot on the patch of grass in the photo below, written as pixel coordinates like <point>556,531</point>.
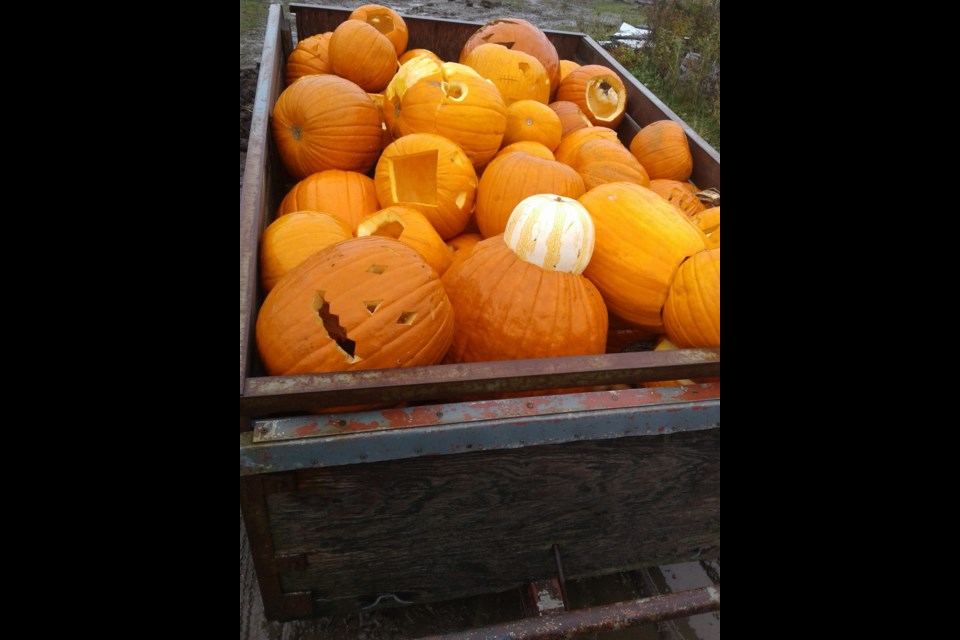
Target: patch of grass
<point>252,14</point>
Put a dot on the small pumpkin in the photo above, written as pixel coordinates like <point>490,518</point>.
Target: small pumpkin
<point>291,239</point>
<point>552,232</point>
<point>641,242</point>
<point>518,75</point>
<point>518,35</point>
<point>533,121</point>
<point>363,303</point>
<point>691,313</point>
<point>431,174</point>
<point>386,21</point>
<point>663,149</point>
<point>311,56</point>
<point>598,91</point>
<point>325,122</point>
<point>348,195</point>
<point>510,178</point>
<point>410,227</point>
<point>361,54</point>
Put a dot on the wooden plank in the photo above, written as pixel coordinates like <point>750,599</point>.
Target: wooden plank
<point>437,528</point>
<point>256,187</point>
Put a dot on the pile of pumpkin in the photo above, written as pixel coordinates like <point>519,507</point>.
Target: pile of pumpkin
<point>475,210</point>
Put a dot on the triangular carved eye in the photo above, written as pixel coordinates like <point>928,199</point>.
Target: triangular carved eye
<point>407,317</point>
<point>372,305</point>
<point>377,268</point>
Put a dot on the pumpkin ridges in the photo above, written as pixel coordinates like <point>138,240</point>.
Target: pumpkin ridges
<point>692,304</point>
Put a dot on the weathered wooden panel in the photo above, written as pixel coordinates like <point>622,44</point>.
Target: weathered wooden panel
<point>436,528</point>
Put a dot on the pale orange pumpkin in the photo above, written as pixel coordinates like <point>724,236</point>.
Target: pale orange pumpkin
<point>691,313</point>
<point>598,91</point>
<point>386,21</point>
<point>518,35</point>
<point>311,56</point>
<point>641,242</point>
<point>325,122</point>
<point>510,178</point>
<point>347,195</point>
<point>518,75</point>
<point>662,148</point>
<point>410,227</point>
<point>431,174</point>
<point>506,308</point>
<point>679,194</point>
<point>361,54</point>
<point>533,121</point>
<point>463,107</point>
<point>291,239</point>
<point>363,303</point>
<point>571,117</point>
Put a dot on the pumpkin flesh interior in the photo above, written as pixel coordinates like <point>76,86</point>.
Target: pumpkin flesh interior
<point>413,178</point>
<point>380,19</point>
<point>602,99</point>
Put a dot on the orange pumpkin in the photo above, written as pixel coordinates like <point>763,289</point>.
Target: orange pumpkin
<point>410,227</point>
<point>570,144</point>
<point>311,56</point>
<point>414,53</point>
<point>347,195</point>
<point>428,68</point>
<point>518,75</point>
<point>571,117</point>
<point>510,178</point>
<point>386,137</point>
<point>533,148</point>
<point>461,246</point>
<point>361,54</point>
<point>363,303</point>
<point>462,106</point>
<point>518,35</point>
<point>506,308</point>
<point>691,313</point>
<point>533,121</point>
<point>431,174</point>
<point>325,122</point>
<point>566,66</point>
<point>603,160</point>
<point>386,21</point>
<point>598,91</point>
<point>679,194</point>
<point>641,242</point>
<point>662,148</point>
<point>291,239</point>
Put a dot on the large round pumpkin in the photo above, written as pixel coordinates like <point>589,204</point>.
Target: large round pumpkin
<point>461,106</point>
<point>506,308</point>
<point>662,148</point>
<point>519,35</point>
<point>363,303</point>
<point>511,177</point>
<point>691,313</point>
<point>361,54</point>
<point>641,242</point>
<point>431,174</point>
<point>291,239</point>
<point>347,195</point>
<point>326,122</point>
<point>311,56</point>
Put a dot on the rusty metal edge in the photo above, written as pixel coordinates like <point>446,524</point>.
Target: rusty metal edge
<point>611,617</point>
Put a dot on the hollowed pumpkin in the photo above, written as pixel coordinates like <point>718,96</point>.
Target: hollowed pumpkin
<point>598,91</point>
<point>518,35</point>
<point>410,227</point>
<point>363,303</point>
<point>518,75</point>
<point>386,21</point>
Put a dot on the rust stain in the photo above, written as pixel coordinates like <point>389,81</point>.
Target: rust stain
<point>306,429</point>
<point>358,425</point>
<point>395,418</point>
<point>425,415</point>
